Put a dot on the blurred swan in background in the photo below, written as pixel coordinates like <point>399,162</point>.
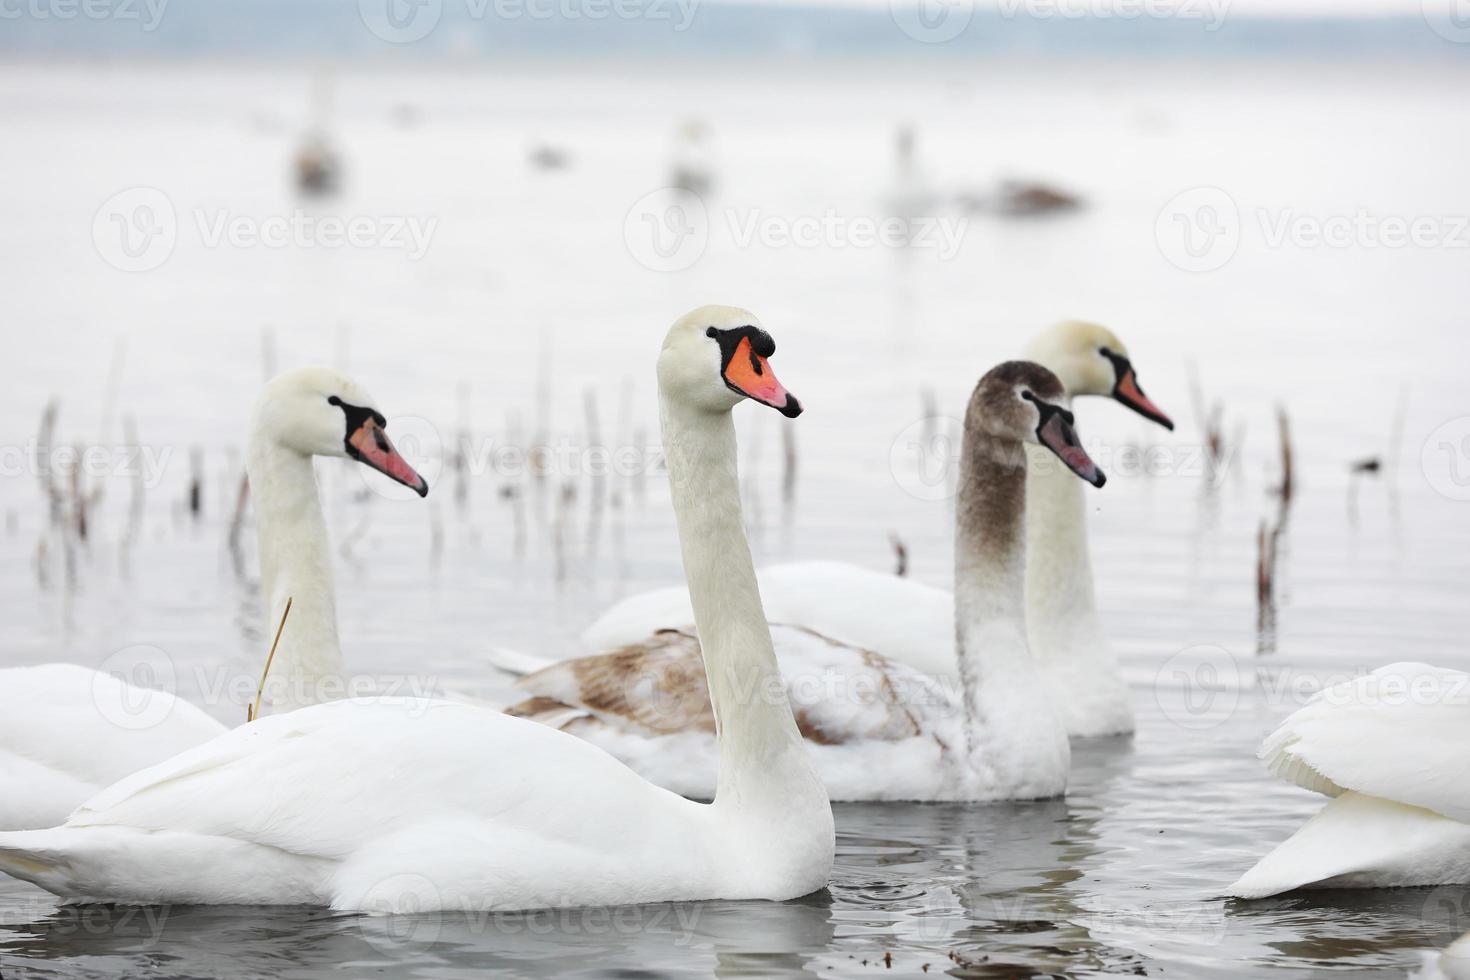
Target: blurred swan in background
<point>395,803</point>
<point>1450,963</point>
<point>913,623</point>
<point>67,731</point>
<point>878,729</point>
<point>1389,749</point>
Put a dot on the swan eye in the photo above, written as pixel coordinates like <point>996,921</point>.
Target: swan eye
<point>712,332</point>
<point>1105,352</point>
<point>1026,394</point>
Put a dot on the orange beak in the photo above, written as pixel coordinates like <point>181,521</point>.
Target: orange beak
<point>750,374</point>
<point>370,444</point>
<point>1126,390</point>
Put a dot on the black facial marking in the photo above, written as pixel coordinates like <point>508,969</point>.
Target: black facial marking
<point>357,416</point>
<point>761,345</point>
<point>1046,410</point>
<point>1121,367</point>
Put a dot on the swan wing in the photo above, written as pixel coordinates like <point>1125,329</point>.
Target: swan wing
<point>325,779</point>
<point>633,619</point>
<point>1359,841</point>
<point>840,694</point>
<point>299,807</point>
<point>66,731</point>
<point>1398,733</point>
<point>898,618</point>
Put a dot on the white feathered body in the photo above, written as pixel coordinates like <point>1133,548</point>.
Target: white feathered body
<point>388,804</point>
<point>67,731</point>
<point>1389,748</point>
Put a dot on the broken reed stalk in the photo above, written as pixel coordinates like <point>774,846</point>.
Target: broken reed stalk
<point>196,482</point>
<point>901,555</point>
<point>1283,427</point>
<point>252,711</point>
<point>44,436</point>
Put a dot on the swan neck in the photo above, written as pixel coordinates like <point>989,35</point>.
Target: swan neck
<point>763,763</point>
<point>295,563</point>
<point>990,566</point>
<point>1061,611</point>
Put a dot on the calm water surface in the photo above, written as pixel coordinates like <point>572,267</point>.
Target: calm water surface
<point>527,320</point>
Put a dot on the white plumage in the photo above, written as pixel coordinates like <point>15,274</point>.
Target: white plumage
<point>1387,747</point>
<point>403,803</point>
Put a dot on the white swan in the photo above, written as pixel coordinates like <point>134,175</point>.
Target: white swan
<point>394,803</point>
<point>1388,747</point>
<point>912,623</point>
<point>879,730</point>
<point>67,731</point>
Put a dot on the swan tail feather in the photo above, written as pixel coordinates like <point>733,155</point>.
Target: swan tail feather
<point>1359,841</point>
<point>36,856</point>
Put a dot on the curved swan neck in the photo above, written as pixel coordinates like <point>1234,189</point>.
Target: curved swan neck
<point>990,558</point>
<point>1061,610</point>
<point>763,763</point>
<point>296,563</point>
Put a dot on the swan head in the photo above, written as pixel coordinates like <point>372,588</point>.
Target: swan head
<point>321,412</point>
<point>1021,401</point>
<point>717,355</point>
<point>1091,360</point>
